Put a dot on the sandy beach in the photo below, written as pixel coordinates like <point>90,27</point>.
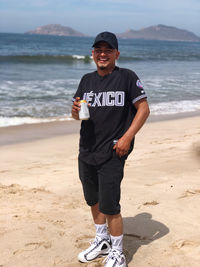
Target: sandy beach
<point>45,222</point>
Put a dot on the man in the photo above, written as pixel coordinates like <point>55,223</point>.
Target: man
<point>118,108</point>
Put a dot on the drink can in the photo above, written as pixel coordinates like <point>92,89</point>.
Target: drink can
<point>84,111</point>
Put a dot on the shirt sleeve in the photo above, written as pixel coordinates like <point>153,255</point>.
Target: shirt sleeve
<point>135,88</point>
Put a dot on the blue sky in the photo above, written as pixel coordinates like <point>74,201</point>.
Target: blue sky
<point>93,16</point>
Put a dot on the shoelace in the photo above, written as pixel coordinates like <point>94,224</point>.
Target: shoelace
<point>114,254</point>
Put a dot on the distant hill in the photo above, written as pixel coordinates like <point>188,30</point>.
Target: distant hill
<point>160,32</point>
<point>55,29</point>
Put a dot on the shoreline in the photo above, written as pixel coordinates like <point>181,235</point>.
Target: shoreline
<point>11,135</point>
<point>31,132</point>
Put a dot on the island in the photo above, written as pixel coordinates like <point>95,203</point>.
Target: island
<point>56,29</point>
<point>157,32</point>
<point>160,32</point>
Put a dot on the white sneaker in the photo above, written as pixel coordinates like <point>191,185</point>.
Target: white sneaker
<point>115,258</point>
<point>99,247</point>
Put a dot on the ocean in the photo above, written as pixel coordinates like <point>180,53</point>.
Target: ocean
<point>40,74</point>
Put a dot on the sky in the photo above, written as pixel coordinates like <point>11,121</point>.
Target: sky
<point>93,16</point>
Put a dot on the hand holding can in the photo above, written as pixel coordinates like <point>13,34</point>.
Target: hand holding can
<point>84,110</point>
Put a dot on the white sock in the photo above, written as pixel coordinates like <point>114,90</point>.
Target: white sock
<point>117,242</point>
<point>102,231</point>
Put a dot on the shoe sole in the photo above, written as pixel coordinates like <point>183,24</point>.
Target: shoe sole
<point>99,256</point>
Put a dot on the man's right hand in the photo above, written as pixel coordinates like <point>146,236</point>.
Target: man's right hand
<point>76,108</point>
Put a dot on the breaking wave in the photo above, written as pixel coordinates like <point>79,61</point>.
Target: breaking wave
<point>70,59</point>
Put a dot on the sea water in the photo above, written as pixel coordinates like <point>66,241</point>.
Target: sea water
<point>40,74</point>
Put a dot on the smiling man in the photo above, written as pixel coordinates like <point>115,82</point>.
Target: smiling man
<point>104,56</point>
<point>118,109</point>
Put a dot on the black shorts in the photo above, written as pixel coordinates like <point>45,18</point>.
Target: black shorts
<point>101,183</point>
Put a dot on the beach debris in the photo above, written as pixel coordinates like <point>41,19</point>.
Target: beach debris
<point>189,193</point>
<point>153,203</point>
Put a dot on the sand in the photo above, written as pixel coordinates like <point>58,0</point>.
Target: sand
<point>45,222</point>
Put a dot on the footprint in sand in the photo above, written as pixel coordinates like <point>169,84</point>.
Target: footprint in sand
<point>189,193</point>
<point>82,242</point>
<point>138,236</point>
<point>33,246</point>
<point>180,244</point>
<point>39,189</point>
<point>62,262</point>
<point>164,180</point>
<point>95,263</point>
<point>42,228</point>
<point>61,233</point>
<point>60,223</point>
<point>151,203</point>
<point>11,189</point>
<point>73,205</point>
<point>36,245</point>
<point>3,171</point>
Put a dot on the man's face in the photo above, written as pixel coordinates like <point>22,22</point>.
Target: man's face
<point>105,56</point>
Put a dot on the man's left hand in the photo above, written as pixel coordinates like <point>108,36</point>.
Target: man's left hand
<point>122,146</point>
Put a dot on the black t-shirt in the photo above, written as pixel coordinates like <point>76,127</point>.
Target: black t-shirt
<point>112,110</point>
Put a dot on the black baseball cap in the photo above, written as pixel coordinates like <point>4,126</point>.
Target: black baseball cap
<point>107,37</point>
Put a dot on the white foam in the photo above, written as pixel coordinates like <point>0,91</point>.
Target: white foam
<point>78,57</point>
<point>44,88</point>
<point>10,82</point>
<point>174,107</point>
<point>13,121</point>
<point>81,57</point>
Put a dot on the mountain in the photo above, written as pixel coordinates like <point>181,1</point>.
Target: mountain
<point>160,32</point>
<point>55,29</point>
